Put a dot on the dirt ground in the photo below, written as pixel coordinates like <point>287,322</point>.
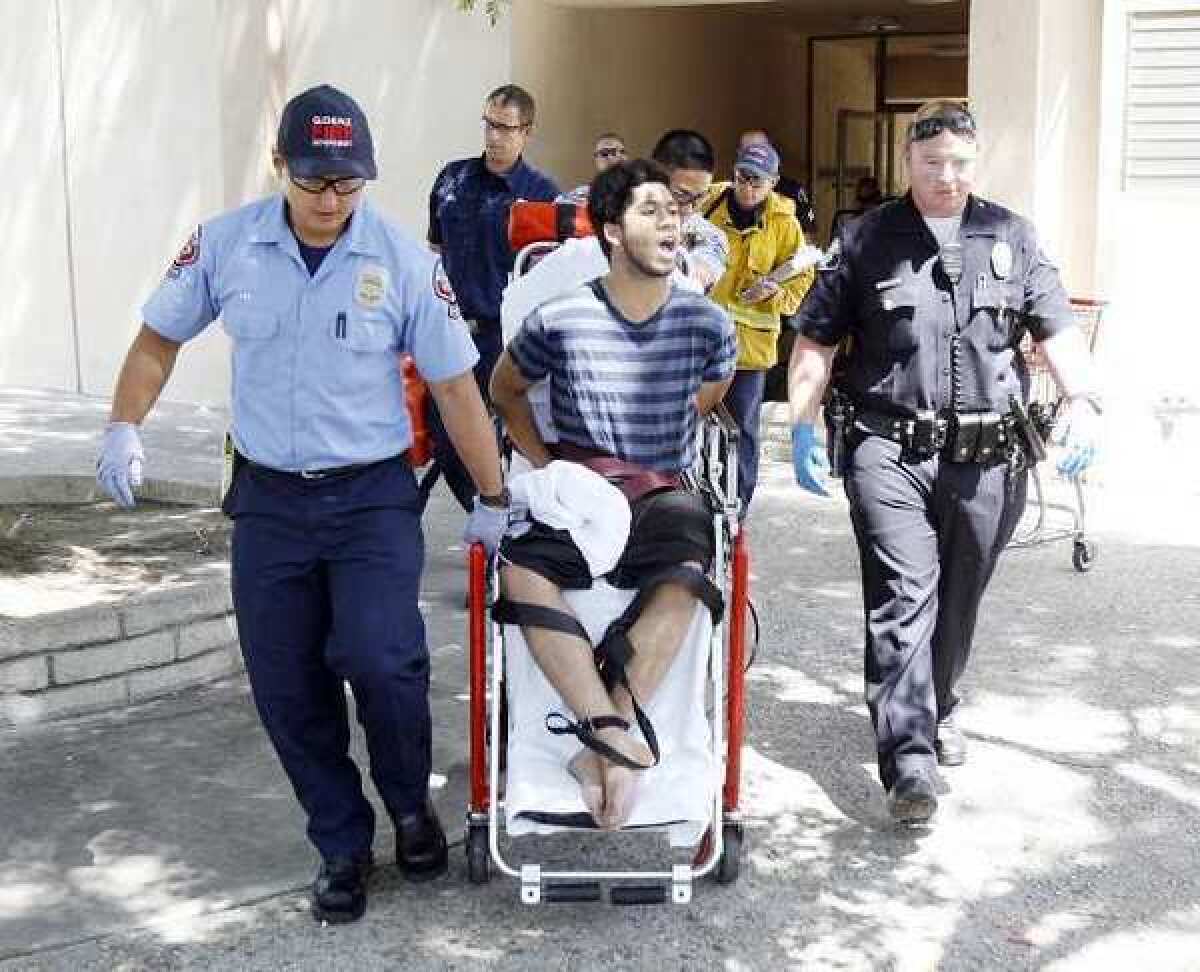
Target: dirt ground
<point>54,557</point>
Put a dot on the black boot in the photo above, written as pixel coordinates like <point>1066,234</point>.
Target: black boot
<point>420,845</point>
<point>912,800</point>
<point>340,890</point>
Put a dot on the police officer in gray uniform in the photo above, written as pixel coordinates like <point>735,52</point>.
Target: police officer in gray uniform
<point>318,294</point>
<point>929,298</point>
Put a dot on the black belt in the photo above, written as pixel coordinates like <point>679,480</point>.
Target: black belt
<point>315,475</point>
<point>958,436</point>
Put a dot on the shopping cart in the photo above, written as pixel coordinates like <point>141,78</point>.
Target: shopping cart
<point>1038,526</point>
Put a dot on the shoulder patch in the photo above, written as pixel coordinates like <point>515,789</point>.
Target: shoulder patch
<point>833,256</point>
<point>443,291</point>
<point>186,256</point>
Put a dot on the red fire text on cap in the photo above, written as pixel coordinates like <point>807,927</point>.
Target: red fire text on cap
<point>331,131</point>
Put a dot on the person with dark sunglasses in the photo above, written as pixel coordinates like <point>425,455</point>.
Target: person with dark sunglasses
<point>318,293</point>
<point>925,301</point>
<point>608,150</point>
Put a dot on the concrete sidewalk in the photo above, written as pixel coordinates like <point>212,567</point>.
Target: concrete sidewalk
<point>166,836</point>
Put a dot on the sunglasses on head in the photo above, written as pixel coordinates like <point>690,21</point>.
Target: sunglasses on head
<point>957,122</point>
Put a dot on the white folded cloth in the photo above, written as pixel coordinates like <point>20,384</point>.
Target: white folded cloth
<point>569,496</point>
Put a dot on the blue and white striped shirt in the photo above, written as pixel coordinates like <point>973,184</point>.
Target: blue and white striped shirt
<point>623,387</point>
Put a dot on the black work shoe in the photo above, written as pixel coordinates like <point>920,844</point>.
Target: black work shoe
<point>421,845</point>
<point>912,799</point>
<point>340,890</point>
<point>951,744</point>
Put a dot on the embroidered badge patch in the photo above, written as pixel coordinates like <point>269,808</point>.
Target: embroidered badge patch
<point>370,289</point>
<point>443,291</point>
<point>187,256</point>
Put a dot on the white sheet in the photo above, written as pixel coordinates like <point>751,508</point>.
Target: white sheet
<point>678,793</point>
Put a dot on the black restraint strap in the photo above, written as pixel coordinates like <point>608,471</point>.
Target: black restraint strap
<point>505,611</point>
<point>585,731</point>
<point>615,650</point>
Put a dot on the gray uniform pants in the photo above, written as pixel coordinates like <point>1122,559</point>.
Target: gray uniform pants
<point>929,534</point>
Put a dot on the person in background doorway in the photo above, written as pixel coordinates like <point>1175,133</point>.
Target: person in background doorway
<point>607,152</point>
<point>763,235</point>
<point>786,186</point>
<point>468,226</point>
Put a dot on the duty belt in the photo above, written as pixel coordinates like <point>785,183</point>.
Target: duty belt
<point>335,472</point>
<point>958,436</point>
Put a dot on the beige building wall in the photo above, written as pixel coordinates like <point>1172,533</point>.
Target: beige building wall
<point>167,112</point>
<point>144,149</point>
<point>1039,124</point>
<point>36,333</point>
<point>638,72</point>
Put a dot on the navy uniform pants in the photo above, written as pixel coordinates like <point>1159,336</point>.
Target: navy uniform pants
<point>489,343</point>
<point>744,400</point>
<point>929,534</point>
<point>325,582</point>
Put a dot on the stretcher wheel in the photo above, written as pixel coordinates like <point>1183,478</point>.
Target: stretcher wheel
<point>730,864</point>
<point>479,861</point>
<point>1083,557</point>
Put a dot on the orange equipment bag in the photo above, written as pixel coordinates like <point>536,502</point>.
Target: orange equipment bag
<point>416,399</point>
<point>538,222</point>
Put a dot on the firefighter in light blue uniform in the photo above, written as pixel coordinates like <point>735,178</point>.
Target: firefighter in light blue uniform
<point>315,378</point>
<point>318,294</point>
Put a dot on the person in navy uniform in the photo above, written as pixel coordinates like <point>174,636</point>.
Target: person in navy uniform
<point>468,226</point>
<point>318,294</point>
<point>929,297</point>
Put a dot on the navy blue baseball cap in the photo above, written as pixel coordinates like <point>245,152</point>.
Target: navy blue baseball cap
<point>324,133</point>
<point>759,159</point>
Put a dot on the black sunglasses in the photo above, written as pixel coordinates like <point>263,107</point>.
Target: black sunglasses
<point>957,122</point>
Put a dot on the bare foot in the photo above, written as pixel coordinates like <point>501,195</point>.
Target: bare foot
<point>587,768</point>
<point>620,794</point>
<point>620,782</point>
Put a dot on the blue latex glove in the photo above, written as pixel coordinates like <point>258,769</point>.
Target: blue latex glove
<point>119,465</point>
<point>808,458</point>
<point>487,525</point>
<point>1080,439</point>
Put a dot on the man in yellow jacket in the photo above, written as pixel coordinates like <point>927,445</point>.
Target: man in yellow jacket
<point>763,236</point>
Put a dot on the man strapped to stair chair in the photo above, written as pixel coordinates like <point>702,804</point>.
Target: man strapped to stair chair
<point>633,363</point>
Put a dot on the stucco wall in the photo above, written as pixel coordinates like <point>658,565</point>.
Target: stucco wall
<point>638,72</point>
<point>167,111</point>
<point>1034,78</point>
<point>36,342</point>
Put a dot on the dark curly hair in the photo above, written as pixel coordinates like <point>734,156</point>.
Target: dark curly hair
<point>612,191</point>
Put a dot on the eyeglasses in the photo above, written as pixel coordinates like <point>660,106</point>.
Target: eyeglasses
<point>610,153</point>
<point>508,131</point>
<point>340,187</point>
<point>957,122</point>
<point>685,199</point>
<point>749,179</point>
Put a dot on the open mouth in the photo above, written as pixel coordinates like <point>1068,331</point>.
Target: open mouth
<point>668,246</point>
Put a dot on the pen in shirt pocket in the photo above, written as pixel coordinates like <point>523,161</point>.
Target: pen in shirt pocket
<point>339,330</point>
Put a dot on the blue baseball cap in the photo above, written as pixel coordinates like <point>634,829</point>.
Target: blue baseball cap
<point>323,132</point>
<point>758,158</point>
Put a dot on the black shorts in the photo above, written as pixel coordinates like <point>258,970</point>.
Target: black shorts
<point>667,528</point>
